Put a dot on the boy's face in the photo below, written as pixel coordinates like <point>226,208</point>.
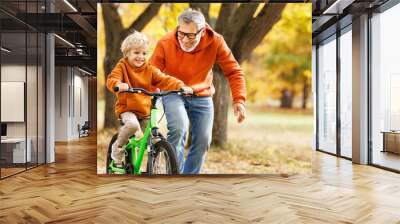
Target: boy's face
<point>137,56</point>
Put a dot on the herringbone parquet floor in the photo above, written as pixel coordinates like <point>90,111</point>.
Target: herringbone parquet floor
<point>69,191</point>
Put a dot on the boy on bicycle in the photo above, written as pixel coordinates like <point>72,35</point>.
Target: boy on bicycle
<point>133,70</point>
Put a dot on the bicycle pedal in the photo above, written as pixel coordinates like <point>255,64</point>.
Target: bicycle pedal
<point>117,169</point>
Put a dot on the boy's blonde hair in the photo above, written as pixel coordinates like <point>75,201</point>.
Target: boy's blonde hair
<point>134,40</point>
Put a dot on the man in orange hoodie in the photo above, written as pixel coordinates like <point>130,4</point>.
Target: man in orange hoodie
<point>189,54</point>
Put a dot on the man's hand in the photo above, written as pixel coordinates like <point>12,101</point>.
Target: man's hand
<point>239,111</point>
<point>187,90</point>
<point>123,87</point>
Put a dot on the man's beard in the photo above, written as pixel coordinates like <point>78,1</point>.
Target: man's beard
<point>190,49</point>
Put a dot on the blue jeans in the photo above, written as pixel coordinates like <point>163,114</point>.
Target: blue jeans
<point>199,111</point>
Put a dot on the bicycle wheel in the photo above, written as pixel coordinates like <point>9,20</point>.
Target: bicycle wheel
<point>113,139</point>
<point>164,160</point>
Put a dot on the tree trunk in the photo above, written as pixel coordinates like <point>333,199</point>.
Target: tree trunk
<point>221,102</point>
<point>249,32</point>
<point>305,95</point>
<point>113,28</point>
<point>224,16</point>
<point>286,99</point>
<point>110,61</point>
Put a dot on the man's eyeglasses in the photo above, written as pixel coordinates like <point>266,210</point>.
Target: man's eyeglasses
<point>190,36</point>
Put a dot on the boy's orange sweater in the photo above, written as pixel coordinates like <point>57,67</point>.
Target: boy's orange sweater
<point>195,68</point>
<point>146,77</point>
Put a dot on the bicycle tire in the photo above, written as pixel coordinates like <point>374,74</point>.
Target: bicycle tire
<point>113,139</point>
<point>163,148</point>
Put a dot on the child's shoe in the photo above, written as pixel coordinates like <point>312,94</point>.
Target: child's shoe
<point>118,155</point>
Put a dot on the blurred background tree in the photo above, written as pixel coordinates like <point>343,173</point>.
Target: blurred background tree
<point>289,56</point>
<point>280,67</point>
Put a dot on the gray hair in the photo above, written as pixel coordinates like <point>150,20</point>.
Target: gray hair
<point>190,15</point>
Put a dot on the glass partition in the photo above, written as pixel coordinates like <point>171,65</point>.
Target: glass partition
<point>14,153</point>
<point>385,89</point>
<point>327,95</point>
<point>22,88</point>
<point>346,93</point>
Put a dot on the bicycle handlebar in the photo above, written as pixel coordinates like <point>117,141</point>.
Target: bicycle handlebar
<point>141,90</point>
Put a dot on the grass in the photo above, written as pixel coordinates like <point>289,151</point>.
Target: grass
<point>269,141</point>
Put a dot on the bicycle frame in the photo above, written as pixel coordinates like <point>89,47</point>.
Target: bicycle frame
<point>137,157</point>
<point>141,144</point>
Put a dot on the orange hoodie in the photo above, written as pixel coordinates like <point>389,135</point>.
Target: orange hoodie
<point>195,68</point>
<point>146,77</point>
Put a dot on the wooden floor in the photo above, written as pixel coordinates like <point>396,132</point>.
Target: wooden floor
<point>10,171</point>
<point>69,191</point>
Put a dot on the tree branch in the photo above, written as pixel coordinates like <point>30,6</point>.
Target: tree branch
<point>243,15</point>
<point>257,29</point>
<point>204,8</point>
<point>145,17</point>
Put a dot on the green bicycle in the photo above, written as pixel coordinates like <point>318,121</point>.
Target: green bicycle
<point>161,156</point>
